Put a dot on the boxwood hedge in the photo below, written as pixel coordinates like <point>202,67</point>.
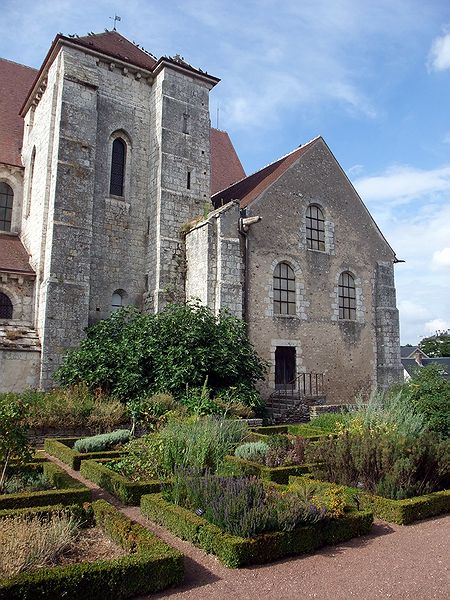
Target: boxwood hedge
<point>69,490</point>
<point>233,465</point>
<point>62,448</point>
<point>128,491</point>
<point>151,565</point>
<point>235,551</point>
<point>402,512</point>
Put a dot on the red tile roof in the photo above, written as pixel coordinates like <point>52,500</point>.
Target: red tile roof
<point>15,81</point>
<point>13,256</point>
<point>251,187</point>
<point>115,45</point>
<point>226,167</point>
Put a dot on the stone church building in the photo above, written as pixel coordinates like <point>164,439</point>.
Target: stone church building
<point>115,190</point>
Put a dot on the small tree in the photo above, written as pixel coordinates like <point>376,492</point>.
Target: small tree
<point>132,354</point>
<point>429,394</point>
<point>437,345</point>
<point>13,433</point>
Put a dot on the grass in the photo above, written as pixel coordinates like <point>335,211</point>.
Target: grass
<point>28,543</point>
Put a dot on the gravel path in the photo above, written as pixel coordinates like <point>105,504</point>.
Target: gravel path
<point>403,563</point>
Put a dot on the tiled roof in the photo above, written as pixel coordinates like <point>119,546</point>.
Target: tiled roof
<point>226,167</point>
<point>251,187</point>
<point>13,256</point>
<point>411,366</point>
<point>15,82</point>
<point>115,45</point>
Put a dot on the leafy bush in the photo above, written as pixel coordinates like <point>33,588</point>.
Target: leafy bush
<point>104,441</point>
<point>437,344</point>
<point>13,433</point>
<point>197,443</point>
<point>429,393</point>
<point>31,481</point>
<point>30,542</point>
<point>384,463</point>
<point>154,411</point>
<point>131,355</point>
<point>254,451</point>
<point>329,421</point>
<point>242,506</point>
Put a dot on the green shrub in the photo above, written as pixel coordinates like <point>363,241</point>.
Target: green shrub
<point>154,411</point>
<point>26,482</point>
<point>131,354</point>
<point>104,441</point>
<point>196,443</point>
<point>253,451</point>
<point>383,462</point>
<point>13,433</point>
<point>329,421</point>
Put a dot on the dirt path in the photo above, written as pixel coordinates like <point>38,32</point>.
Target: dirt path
<point>403,563</point>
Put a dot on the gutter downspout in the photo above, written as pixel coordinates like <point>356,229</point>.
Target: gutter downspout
<point>244,226</point>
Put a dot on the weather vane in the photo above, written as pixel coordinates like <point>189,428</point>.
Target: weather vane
<point>115,18</point>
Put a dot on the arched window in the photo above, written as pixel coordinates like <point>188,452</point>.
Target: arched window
<point>283,290</point>
<point>315,228</point>
<point>6,205</point>
<point>30,183</point>
<point>118,300</point>
<point>6,307</point>
<point>347,297</point>
<point>119,150</point>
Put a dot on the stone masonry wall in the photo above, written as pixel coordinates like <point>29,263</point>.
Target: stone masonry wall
<point>19,370</point>
<point>344,350</point>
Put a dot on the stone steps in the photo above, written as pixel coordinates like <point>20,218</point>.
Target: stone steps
<point>16,336</point>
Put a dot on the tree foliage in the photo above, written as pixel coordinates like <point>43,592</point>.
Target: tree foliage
<point>132,354</point>
<point>13,433</point>
<point>436,345</point>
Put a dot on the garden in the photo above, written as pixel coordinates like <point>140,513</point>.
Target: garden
<point>167,428</point>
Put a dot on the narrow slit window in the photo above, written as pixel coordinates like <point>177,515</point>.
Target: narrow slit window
<point>347,297</point>
<point>6,206</point>
<point>117,167</point>
<point>284,290</point>
<point>185,123</point>
<point>188,180</point>
<point>315,228</point>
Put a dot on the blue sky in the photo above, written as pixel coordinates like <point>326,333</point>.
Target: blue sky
<point>371,76</point>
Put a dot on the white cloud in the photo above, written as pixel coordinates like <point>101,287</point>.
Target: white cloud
<point>411,311</point>
<point>402,183</point>
<point>439,56</point>
<point>437,325</point>
<point>355,170</point>
<point>441,258</point>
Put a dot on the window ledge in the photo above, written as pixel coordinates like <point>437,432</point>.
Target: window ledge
<point>285,316</point>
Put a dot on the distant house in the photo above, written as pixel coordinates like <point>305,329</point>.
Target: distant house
<point>413,357</point>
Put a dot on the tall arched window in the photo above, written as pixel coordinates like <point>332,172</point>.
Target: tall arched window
<point>347,297</point>
<point>315,228</point>
<point>283,290</point>
<point>6,206</point>
<point>118,157</point>
<point>118,300</point>
<point>6,307</point>
<point>30,183</point>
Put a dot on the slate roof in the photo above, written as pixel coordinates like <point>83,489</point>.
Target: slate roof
<point>15,82</point>
<point>249,188</point>
<point>226,168</point>
<point>408,351</point>
<point>13,256</point>
<point>410,365</point>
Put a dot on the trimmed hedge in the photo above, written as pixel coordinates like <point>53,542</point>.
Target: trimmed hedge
<point>83,513</point>
<point>402,512</point>
<point>151,566</point>
<point>304,429</point>
<point>126,490</point>
<point>235,551</point>
<point>233,465</point>
<point>62,448</point>
<point>70,491</point>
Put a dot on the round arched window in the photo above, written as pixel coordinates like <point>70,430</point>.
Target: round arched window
<point>118,300</point>
<point>6,307</point>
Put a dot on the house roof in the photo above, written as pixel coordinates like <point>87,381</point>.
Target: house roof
<point>15,81</point>
<point>248,189</point>
<point>411,366</point>
<point>408,351</point>
<point>13,256</point>
<point>226,168</point>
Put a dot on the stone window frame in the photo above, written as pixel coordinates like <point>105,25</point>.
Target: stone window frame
<point>290,302</point>
<point>299,368</point>
<point>124,299</point>
<point>15,300</point>
<point>301,304</point>
<point>11,208</point>
<point>9,305</point>
<point>126,139</point>
<point>360,304</point>
<point>329,229</point>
